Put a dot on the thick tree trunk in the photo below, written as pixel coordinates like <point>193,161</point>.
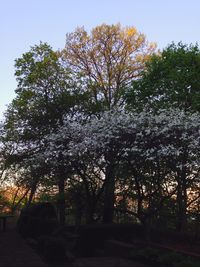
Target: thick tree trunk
<point>109,199</point>
<point>181,203</point>
<point>32,193</point>
<point>61,201</point>
<point>61,191</point>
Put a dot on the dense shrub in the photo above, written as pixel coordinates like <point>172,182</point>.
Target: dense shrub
<point>41,210</point>
<point>39,219</point>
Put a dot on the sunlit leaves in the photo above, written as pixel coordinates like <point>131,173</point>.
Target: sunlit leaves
<point>107,60</point>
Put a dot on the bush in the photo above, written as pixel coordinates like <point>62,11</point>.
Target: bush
<point>39,219</point>
<point>41,210</point>
<point>34,227</point>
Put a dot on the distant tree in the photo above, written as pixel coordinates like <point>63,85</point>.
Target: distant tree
<point>170,79</point>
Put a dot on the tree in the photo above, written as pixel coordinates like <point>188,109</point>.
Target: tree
<point>159,153</point>
<point>103,64</point>
<point>155,157</point>
<point>44,95</point>
<point>106,61</point>
<point>170,79</point>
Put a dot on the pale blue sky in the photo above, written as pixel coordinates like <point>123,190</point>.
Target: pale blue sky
<point>24,23</point>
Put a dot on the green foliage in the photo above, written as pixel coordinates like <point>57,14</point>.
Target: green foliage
<point>87,77</point>
<point>42,93</point>
<point>45,94</point>
<point>171,79</point>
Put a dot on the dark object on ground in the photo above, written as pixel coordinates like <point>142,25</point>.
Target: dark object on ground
<point>36,220</point>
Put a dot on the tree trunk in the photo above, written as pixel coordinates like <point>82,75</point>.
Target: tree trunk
<point>61,201</point>
<point>15,205</point>
<point>109,199</point>
<point>181,203</point>
<point>32,192</point>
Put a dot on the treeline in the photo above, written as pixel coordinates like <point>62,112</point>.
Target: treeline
<point>109,123</point>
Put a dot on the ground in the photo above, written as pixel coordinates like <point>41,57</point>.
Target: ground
<point>14,252</point>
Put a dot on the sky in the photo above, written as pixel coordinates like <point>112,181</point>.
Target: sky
<point>24,23</point>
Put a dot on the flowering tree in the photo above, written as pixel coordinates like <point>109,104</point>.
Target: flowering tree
<point>165,162</point>
<point>157,153</point>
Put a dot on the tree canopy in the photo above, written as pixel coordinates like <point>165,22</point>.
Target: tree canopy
<point>111,123</point>
<point>170,79</point>
<point>106,60</point>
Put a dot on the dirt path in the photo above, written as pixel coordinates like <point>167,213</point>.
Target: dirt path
<point>14,252</point>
